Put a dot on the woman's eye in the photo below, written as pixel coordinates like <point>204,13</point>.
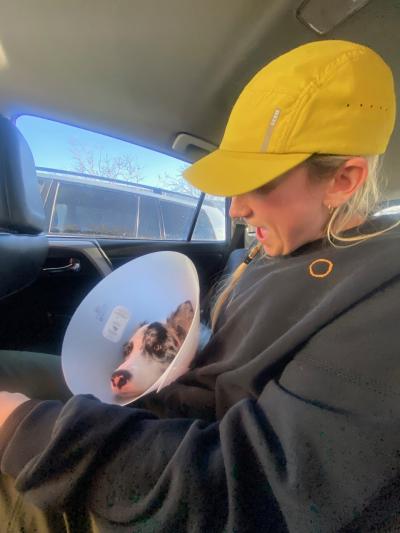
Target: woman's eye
<point>267,188</point>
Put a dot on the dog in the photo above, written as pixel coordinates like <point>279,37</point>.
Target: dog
<point>149,352</point>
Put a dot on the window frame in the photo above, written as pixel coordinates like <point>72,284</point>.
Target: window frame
<point>188,238</point>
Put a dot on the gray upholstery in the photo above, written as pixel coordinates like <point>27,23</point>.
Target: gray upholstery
<point>23,245</point>
<point>235,258</point>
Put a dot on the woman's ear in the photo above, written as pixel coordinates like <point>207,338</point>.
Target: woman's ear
<point>346,181</point>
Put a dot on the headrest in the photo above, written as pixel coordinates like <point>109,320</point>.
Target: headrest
<point>21,207</point>
<point>23,245</point>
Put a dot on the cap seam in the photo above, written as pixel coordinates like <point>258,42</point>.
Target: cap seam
<point>314,84</point>
<point>340,61</point>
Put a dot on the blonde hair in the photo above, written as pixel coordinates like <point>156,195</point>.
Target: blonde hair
<point>226,286</point>
<point>362,203</point>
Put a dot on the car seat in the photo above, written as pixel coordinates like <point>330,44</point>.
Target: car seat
<point>23,250</point>
<point>23,245</point>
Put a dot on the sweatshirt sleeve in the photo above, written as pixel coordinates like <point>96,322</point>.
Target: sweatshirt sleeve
<point>317,451</point>
<point>278,463</point>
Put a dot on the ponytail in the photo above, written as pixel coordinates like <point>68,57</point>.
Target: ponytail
<point>227,290</point>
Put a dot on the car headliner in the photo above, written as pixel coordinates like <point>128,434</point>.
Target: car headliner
<point>146,70</point>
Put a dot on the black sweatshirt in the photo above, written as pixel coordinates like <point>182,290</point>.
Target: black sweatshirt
<point>290,420</point>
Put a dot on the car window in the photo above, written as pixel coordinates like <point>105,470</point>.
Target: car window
<point>176,218</point>
<point>149,219</point>
<point>210,225</point>
<point>84,210</point>
<point>204,228</point>
<point>92,184</point>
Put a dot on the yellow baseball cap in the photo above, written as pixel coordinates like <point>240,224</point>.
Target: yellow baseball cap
<point>327,97</point>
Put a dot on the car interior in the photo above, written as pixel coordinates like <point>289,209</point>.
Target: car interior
<point>161,75</point>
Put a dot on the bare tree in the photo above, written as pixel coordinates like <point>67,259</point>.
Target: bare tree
<point>178,183</point>
<point>94,161</point>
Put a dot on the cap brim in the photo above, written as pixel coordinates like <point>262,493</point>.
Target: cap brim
<point>224,173</point>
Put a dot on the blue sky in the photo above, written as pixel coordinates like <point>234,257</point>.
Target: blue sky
<point>51,144</point>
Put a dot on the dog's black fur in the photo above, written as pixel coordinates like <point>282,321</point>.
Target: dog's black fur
<point>157,343</point>
<point>163,341</point>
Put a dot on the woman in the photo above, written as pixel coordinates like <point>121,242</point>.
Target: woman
<point>289,419</point>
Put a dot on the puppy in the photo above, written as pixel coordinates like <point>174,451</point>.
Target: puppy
<point>150,351</point>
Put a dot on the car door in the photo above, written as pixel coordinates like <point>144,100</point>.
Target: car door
<point>96,224</point>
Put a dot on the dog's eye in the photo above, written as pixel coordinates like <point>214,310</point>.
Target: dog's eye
<point>127,349</point>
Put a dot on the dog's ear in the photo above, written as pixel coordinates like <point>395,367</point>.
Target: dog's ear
<point>181,319</point>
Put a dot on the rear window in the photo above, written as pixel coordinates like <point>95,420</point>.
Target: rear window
<point>176,219</point>
<point>96,185</point>
<point>84,210</point>
<point>149,219</point>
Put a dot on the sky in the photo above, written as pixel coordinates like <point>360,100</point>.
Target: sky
<point>51,143</point>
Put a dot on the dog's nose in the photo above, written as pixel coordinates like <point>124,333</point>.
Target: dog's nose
<point>120,378</point>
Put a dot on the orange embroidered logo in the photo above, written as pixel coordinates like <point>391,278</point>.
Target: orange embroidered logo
<point>320,268</point>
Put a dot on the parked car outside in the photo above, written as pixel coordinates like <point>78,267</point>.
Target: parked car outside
<point>87,205</point>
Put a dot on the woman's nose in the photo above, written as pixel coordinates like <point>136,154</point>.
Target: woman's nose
<point>239,207</point>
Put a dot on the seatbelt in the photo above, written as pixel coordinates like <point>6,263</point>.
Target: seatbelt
<point>238,238</point>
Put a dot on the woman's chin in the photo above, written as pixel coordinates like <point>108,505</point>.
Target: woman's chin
<point>270,249</point>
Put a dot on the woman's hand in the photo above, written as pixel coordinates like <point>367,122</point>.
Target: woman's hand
<point>8,402</point>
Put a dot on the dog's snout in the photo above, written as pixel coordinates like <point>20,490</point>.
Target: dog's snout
<point>120,378</point>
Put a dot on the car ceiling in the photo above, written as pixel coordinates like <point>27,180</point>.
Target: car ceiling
<point>146,70</point>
